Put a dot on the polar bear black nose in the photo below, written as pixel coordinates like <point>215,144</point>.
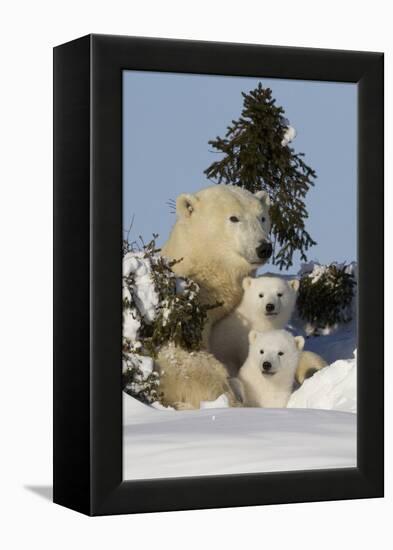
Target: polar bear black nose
<point>266,365</point>
<point>269,308</point>
<point>264,250</point>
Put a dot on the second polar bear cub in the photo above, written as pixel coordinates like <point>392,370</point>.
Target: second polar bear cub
<point>268,374</point>
<point>267,304</point>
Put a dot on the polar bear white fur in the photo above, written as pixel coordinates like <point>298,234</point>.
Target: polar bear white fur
<point>187,378</point>
<point>309,364</point>
<point>267,304</point>
<point>268,374</point>
<point>221,235</point>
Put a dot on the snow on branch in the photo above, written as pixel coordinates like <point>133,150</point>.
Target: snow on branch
<point>158,308</point>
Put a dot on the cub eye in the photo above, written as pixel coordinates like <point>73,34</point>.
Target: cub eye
<point>234,219</point>
<point>280,353</point>
<point>261,351</point>
<point>279,294</point>
<point>263,220</point>
<point>261,295</point>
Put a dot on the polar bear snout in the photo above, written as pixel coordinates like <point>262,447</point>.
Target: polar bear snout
<point>264,250</point>
<point>266,365</point>
<point>270,308</point>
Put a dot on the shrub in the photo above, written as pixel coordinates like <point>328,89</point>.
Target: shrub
<point>325,295</point>
<point>158,308</point>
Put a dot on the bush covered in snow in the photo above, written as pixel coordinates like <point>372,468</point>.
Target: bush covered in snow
<point>326,293</point>
<point>158,308</point>
<point>139,378</point>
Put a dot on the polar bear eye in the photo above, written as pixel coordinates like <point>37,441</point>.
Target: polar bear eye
<point>263,220</point>
<point>261,351</point>
<point>280,353</point>
<point>234,219</point>
<point>261,295</point>
<point>279,294</point>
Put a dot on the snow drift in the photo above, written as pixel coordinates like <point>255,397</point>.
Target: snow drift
<point>333,387</point>
<point>165,443</point>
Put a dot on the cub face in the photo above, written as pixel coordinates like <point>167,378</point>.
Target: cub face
<point>274,352</point>
<point>270,297</point>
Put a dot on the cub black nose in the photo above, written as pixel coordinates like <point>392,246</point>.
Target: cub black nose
<point>269,308</point>
<point>264,250</point>
<point>266,365</point>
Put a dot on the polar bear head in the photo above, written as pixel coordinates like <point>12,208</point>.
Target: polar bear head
<point>226,222</point>
<point>274,352</point>
<point>270,299</point>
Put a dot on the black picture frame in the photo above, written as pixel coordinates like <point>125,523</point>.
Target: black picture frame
<point>87,274</point>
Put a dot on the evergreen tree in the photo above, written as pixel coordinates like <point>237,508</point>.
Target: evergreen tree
<point>257,156</point>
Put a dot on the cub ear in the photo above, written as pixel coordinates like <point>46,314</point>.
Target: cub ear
<point>263,197</point>
<point>246,282</point>
<point>295,283</point>
<point>185,204</point>
<point>299,341</point>
<point>252,336</point>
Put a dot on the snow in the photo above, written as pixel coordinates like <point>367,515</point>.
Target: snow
<point>146,365</point>
<point>144,292</point>
<point>165,443</point>
<point>289,136</point>
<point>131,325</point>
<point>142,301</point>
<point>181,285</point>
<point>220,403</point>
<point>331,388</point>
<point>316,431</point>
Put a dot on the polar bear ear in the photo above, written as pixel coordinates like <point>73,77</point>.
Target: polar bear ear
<point>294,284</point>
<point>252,336</point>
<point>185,204</point>
<point>299,341</point>
<point>246,282</point>
<point>263,197</point>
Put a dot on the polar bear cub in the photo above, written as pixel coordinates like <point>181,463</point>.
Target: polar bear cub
<point>267,304</point>
<point>268,374</point>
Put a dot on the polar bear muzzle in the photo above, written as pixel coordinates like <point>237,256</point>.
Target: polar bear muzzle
<point>266,367</point>
<point>264,250</point>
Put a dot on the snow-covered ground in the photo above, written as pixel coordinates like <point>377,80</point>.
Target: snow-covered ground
<point>161,443</point>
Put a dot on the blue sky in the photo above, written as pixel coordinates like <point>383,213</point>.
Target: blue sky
<point>169,118</point>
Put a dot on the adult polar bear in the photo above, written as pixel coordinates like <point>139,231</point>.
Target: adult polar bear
<point>221,235</point>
